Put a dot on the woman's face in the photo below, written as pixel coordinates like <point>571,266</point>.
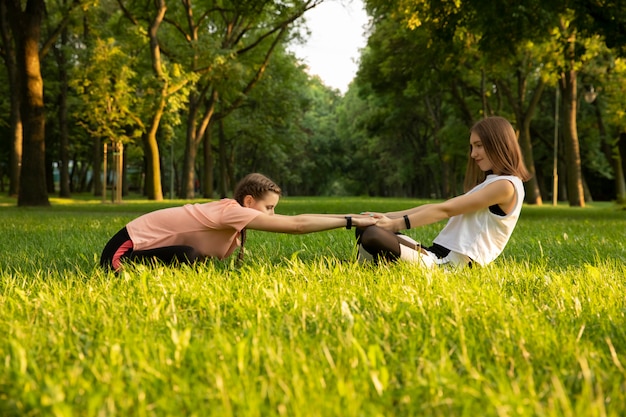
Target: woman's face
<point>265,204</point>
<point>478,154</point>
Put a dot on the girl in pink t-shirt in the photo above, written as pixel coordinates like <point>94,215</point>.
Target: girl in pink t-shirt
<point>194,232</point>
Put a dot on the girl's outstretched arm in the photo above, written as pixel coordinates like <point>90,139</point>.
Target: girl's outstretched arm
<point>500,193</point>
<point>307,223</point>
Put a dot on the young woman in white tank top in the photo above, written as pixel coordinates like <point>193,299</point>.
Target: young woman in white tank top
<point>481,221</point>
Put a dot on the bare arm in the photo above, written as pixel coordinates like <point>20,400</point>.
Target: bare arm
<point>306,223</point>
<point>500,192</point>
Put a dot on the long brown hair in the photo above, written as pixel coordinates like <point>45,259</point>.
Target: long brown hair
<point>500,142</point>
<point>256,185</point>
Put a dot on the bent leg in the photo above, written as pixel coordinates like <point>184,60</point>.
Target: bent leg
<point>168,255</point>
<point>379,243</point>
<point>111,248</point>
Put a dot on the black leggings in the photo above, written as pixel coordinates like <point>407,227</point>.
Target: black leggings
<point>167,254</point>
<point>380,243</point>
<point>383,244</point>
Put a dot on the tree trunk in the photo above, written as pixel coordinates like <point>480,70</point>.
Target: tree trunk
<point>15,120</point>
<point>533,194</point>
<point>64,171</point>
<point>153,186</point>
<point>98,175</point>
<point>17,145</point>
<point>154,189</point>
<point>223,162</point>
<point>195,136</point>
<point>230,168</point>
<point>620,182</point>
<point>187,190</point>
<point>27,32</point>
<point>621,157</point>
<point>612,154</point>
<point>568,84</point>
<point>189,162</point>
<point>524,117</point>
<point>208,165</point>
<point>446,189</point>
<point>49,165</point>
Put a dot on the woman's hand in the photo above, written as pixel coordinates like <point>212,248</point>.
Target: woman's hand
<point>361,220</point>
<point>386,223</point>
<point>372,214</point>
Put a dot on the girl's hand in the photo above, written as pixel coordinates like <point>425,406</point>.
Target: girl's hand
<point>371,214</point>
<point>387,223</point>
<point>364,221</point>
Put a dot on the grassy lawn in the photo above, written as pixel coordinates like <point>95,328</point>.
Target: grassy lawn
<point>303,330</point>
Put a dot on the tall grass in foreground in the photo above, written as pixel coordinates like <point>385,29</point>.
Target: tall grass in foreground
<point>302,330</point>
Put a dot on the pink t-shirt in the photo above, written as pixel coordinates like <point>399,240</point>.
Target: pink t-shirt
<point>213,228</point>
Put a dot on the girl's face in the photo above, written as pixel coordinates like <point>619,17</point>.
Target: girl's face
<point>478,154</point>
<point>265,204</point>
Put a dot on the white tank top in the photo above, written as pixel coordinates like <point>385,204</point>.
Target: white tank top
<point>482,235</point>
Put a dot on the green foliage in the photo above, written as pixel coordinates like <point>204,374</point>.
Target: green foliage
<point>265,130</point>
<point>433,66</point>
<point>105,87</point>
<point>320,165</point>
<point>303,330</point>
<point>286,128</point>
<point>616,103</point>
<point>430,69</point>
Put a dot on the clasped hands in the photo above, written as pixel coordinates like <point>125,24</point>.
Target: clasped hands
<point>378,219</point>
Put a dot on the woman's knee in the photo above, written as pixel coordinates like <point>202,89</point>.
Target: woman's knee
<point>379,242</point>
<point>366,235</point>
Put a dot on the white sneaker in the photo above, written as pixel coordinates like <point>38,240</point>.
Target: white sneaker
<point>412,255</point>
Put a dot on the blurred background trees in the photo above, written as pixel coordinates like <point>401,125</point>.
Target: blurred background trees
<point>201,92</point>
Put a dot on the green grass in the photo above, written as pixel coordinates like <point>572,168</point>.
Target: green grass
<point>302,330</point>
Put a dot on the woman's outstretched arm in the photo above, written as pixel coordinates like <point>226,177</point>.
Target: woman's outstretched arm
<point>307,223</point>
<point>500,193</point>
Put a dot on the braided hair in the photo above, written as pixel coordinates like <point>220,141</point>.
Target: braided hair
<point>255,185</point>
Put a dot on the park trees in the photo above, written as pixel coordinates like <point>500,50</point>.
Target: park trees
<point>504,54</point>
<point>435,83</point>
<point>247,35</point>
<point>211,86</point>
<point>108,109</point>
<point>222,49</point>
<point>607,93</point>
<point>201,57</point>
<point>25,24</point>
<point>163,82</point>
<point>14,94</point>
<point>270,130</point>
<point>23,47</point>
